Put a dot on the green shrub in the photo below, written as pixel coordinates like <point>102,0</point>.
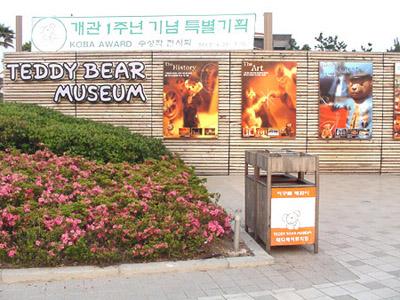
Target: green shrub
<point>29,127</point>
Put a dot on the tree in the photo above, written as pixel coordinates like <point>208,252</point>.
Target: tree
<point>330,43</point>
<point>396,46</point>
<point>367,48</point>
<point>293,46</point>
<point>27,47</point>
<point>6,36</point>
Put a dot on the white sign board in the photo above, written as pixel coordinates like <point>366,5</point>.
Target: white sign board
<point>293,216</point>
<point>201,32</point>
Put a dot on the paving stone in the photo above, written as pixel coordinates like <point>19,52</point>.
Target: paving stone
<point>309,293</point>
<point>386,293</point>
<point>395,273</point>
<point>212,298</point>
<point>213,292</point>
<point>238,297</point>
<point>334,291</point>
<point>373,285</point>
<point>392,283</point>
<point>232,290</point>
<point>365,296</point>
<point>356,263</point>
<point>344,297</point>
<point>265,297</point>
<point>388,268</point>
<point>355,287</point>
<point>287,296</point>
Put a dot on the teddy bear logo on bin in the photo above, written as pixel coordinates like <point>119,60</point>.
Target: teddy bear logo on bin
<point>291,220</point>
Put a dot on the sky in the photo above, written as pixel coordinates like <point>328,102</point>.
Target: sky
<point>354,21</point>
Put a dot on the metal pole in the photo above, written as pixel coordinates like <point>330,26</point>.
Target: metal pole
<point>236,238</point>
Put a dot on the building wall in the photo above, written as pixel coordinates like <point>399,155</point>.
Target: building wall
<point>225,155</point>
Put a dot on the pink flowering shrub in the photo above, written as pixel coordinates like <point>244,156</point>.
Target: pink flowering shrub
<point>63,210</point>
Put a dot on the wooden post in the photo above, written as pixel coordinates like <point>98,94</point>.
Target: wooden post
<point>256,205</point>
<point>18,33</point>
<point>268,44</point>
<point>269,196</point>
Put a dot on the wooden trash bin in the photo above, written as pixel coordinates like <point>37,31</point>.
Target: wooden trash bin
<point>281,206</point>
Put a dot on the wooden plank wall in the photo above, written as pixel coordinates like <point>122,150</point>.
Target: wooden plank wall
<point>225,155</point>
<point>390,147</point>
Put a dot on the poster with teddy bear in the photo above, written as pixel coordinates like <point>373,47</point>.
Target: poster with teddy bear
<point>396,121</point>
<point>190,99</point>
<point>346,102</point>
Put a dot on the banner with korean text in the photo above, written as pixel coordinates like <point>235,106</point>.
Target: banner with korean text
<point>192,32</point>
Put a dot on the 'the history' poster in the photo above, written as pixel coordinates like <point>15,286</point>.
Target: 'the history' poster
<point>190,99</point>
<point>269,99</point>
<point>345,107</point>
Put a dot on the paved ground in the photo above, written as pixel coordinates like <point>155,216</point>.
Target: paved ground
<point>359,255</point>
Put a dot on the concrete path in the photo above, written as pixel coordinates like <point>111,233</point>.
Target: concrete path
<point>359,255</point>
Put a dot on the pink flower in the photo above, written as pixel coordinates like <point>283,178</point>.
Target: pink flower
<point>38,243</point>
<point>214,226</point>
<point>215,212</point>
<point>62,198</point>
<point>181,199</point>
<point>41,201</point>
<point>11,253</point>
<point>64,238</point>
<point>161,246</point>
<point>27,208</point>
<point>172,193</point>
<point>38,181</point>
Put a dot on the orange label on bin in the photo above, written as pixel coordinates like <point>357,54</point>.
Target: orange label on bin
<point>298,192</point>
<point>285,236</point>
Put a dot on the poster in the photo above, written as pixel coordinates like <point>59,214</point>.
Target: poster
<point>396,122</point>
<point>293,216</point>
<point>269,99</point>
<point>190,99</point>
<point>346,102</point>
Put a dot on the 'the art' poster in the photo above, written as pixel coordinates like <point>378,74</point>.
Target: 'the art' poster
<point>190,107</point>
<point>396,121</point>
<point>345,109</point>
<point>269,99</point>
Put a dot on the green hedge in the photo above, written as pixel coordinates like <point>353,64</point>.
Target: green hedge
<point>30,127</point>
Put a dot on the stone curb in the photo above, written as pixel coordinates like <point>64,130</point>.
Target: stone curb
<point>260,258</point>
